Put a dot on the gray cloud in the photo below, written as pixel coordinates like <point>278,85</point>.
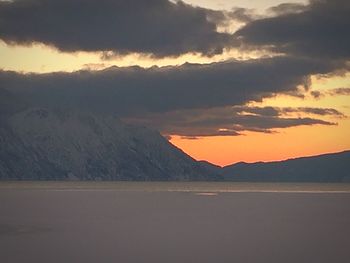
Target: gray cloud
<point>158,27</point>
<point>225,18</point>
<point>126,91</point>
<point>164,28</point>
<point>317,94</point>
<point>287,8</point>
<point>277,111</point>
<point>230,121</point>
<point>315,111</point>
<point>321,30</point>
<point>340,91</point>
<point>262,111</point>
<point>242,14</point>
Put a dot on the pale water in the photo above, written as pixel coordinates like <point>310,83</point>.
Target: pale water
<point>174,222</point>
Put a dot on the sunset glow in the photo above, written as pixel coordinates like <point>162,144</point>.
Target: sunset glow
<point>250,139</point>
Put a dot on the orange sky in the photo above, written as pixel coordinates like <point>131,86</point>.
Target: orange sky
<point>284,143</point>
<point>252,147</point>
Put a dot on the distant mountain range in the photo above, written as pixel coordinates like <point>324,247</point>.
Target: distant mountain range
<point>323,168</point>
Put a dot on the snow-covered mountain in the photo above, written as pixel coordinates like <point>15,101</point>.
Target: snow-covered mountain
<point>42,144</point>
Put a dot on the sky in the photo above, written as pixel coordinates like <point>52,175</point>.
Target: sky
<point>225,81</point>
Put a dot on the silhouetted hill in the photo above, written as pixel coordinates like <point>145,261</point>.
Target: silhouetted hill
<point>323,168</point>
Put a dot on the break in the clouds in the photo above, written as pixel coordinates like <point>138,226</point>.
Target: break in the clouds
<point>320,29</point>
<point>231,121</point>
<point>157,27</point>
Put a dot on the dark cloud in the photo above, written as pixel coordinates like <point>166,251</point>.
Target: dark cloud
<point>277,111</point>
<point>126,91</point>
<point>320,31</point>
<point>340,91</point>
<point>226,19</point>
<point>242,14</point>
<point>287,8</point>
<point>261,111</point>
<point>190,100</point>
<point>315,111</point>
<point>165,28</point>
<point>317,94</point>
<point>158,27</point>
<point>332,92</point>
<point>229,121</point>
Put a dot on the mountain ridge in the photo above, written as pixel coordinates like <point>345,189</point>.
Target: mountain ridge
<point>329,167</point>
<point>287,159</point>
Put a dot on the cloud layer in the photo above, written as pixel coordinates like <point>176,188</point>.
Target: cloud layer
<point>165,98</point>
<point>164,28</point>
<point>231,121</point>
<point>191,99</point>
<point>158,27</point>
<point>320,30</point>
<point>126,91</point>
